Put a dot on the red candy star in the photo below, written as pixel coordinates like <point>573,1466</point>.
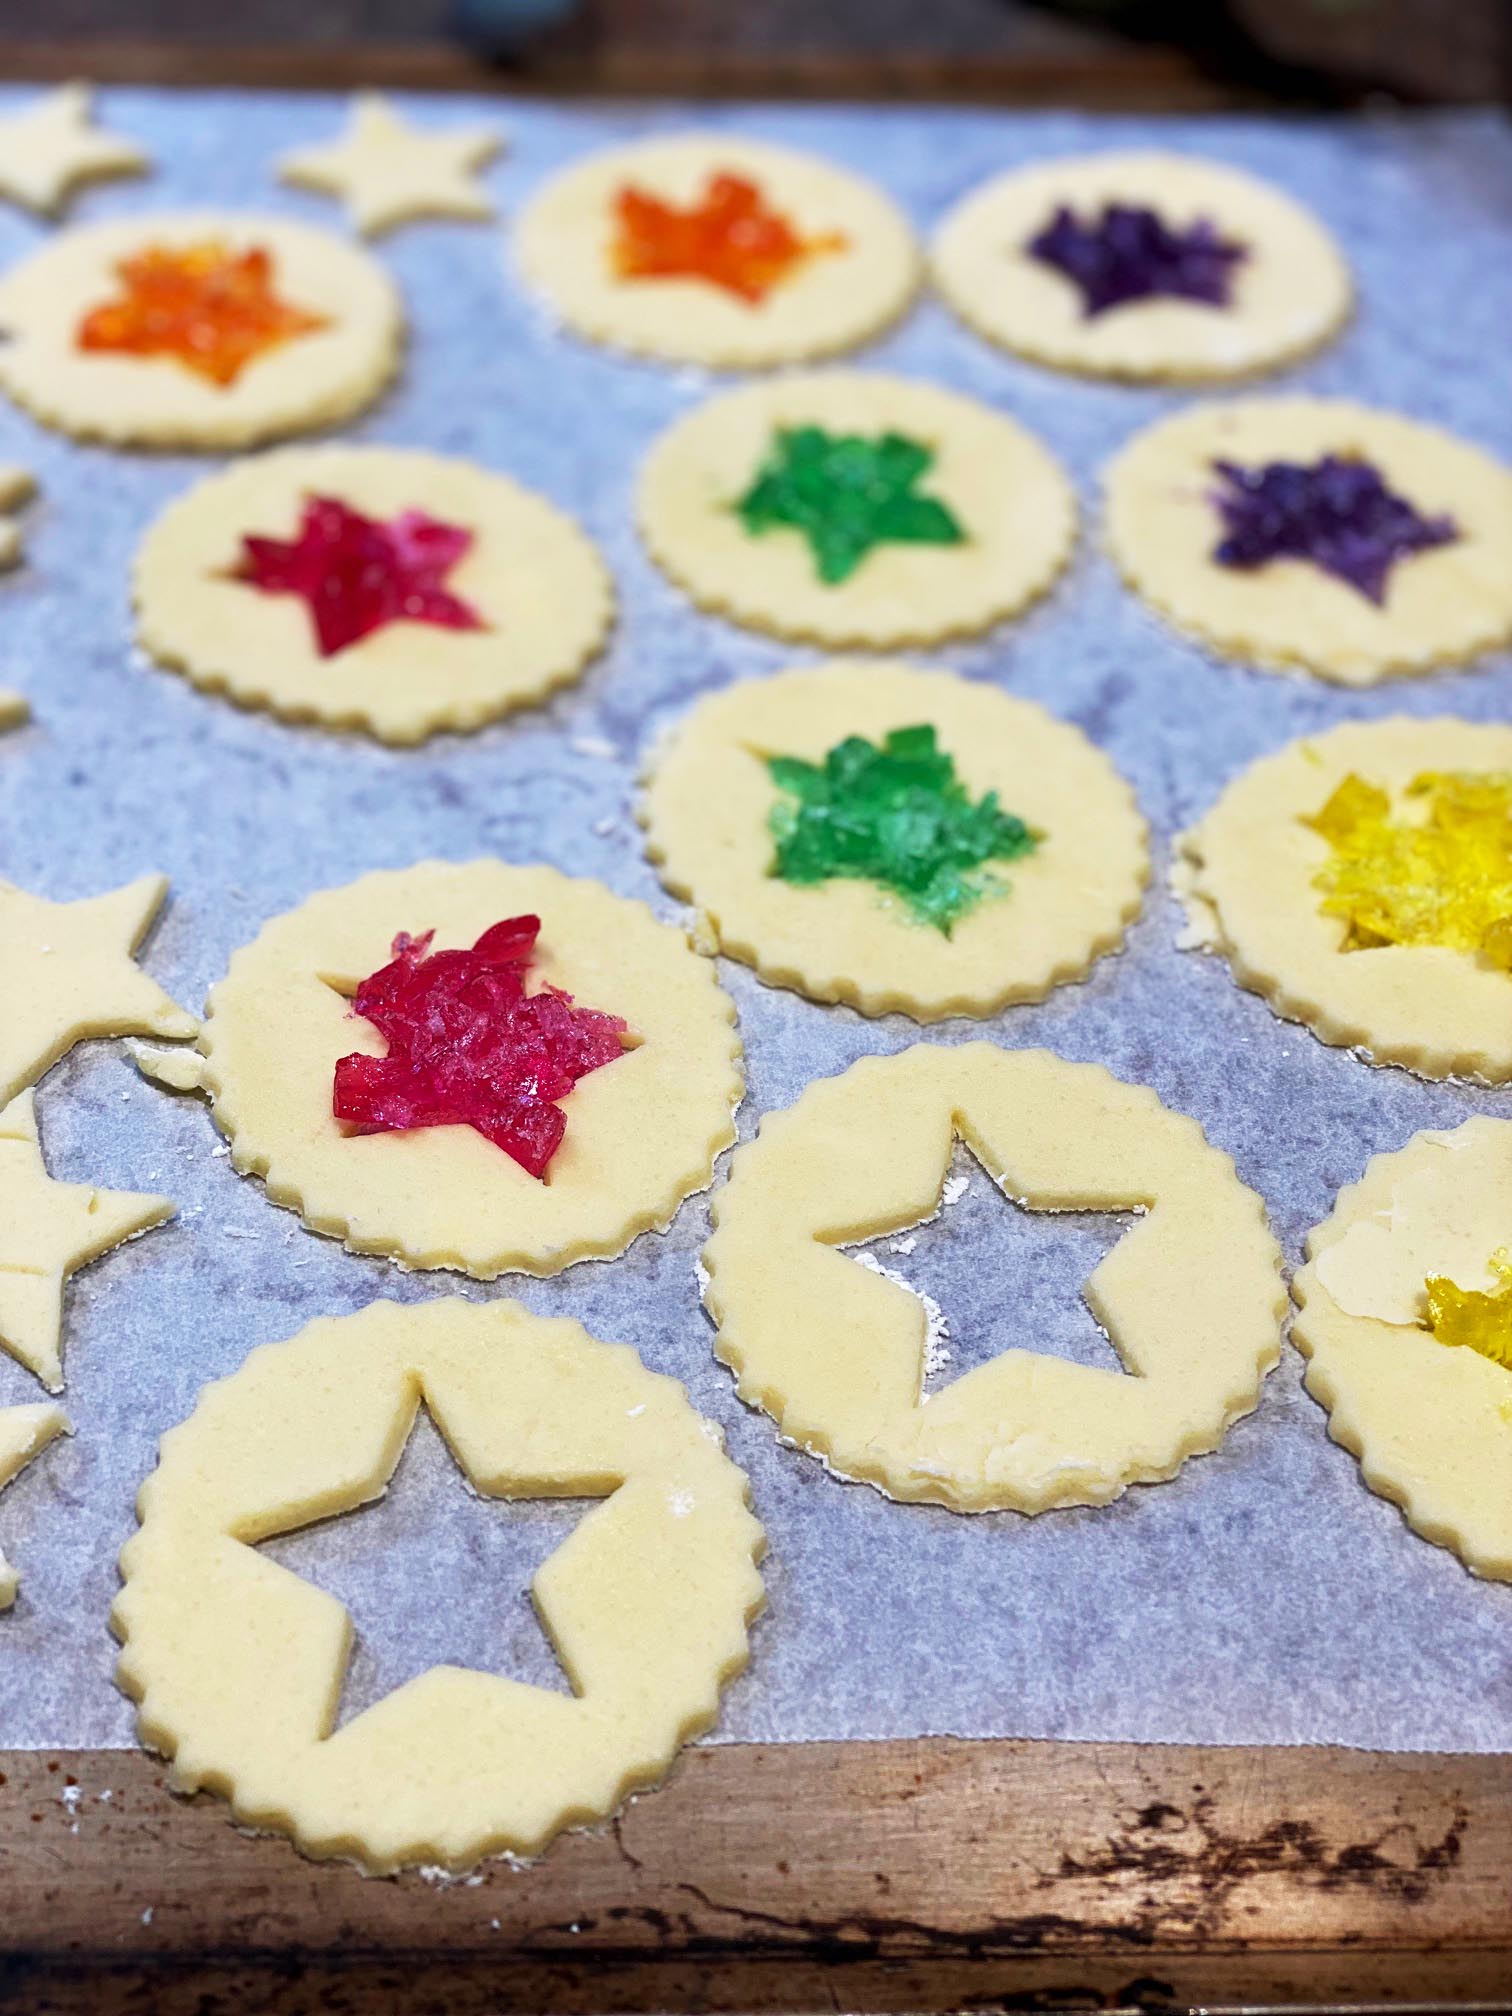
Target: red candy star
<point>468,1047</point>
<point>358,574</point>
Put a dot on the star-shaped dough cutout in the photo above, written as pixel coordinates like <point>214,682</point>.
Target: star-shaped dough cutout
<point>49,1230</point>
<point>50,148</point>
<point>24,1432</point>
<point>67,972</point>
<point>388,171</point>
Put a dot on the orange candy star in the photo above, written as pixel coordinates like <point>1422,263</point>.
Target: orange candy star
<point>730,237</point>
<point>212,309</point>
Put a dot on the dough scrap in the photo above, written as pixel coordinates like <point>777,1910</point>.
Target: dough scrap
<point>51,148</point>
<point>536,580</point>
<point>237,1663</point>
<point>1442,607</point>
<point>389,171</point>
<point>1011,497</point>
<point>67,973</point>
<point>1191,1296</point>
<point>24,1433</point>
<point>705,809</point>
<point>1430,1424</point>
<point>838,299</point>
<point>155,402</point>
<point>15,709</point>
<point>1290,295</point>
<point>17,485</point>
<point>1434,1010</point>
<point>642,1133</point>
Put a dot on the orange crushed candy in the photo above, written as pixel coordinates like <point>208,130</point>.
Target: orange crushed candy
<point>730,237</point>
<point>1478,1321</point>
<point>212,309</point>
<point>1443,877</point>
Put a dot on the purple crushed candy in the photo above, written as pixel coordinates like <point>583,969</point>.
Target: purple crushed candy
<point>1128,254</point>
<point>1338,513</point>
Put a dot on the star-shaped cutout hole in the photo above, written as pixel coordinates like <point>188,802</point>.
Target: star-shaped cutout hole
<point>48,150</point>
<point>847,494</point>
<point>993,1275</point>
<point>434,1575</point>
<point>388,171</point>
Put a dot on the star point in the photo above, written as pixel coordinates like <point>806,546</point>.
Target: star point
<point>389,172</point>
<point>49,149</point>
<point>24,1433</point>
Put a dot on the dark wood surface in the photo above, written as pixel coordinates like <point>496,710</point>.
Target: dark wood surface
<point>886,1876</point>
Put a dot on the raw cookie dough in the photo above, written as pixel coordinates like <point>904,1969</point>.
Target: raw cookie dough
<point>14,709</point>
<point>237,1663</point>
<point>1441,606</point>
<point>1010,496</point>
<point>1430,1423</point>
<point>16,486</point>
<point>1191,1296</point>
<point>531,575</point>
<point>312,380</point>
<point>24,1433</point>
<point>836,299</point>
<point>1288,295</point>
<point>642,1133</point>
<point>51,148</point>
<point>67,973</point>
<point>707,802</point>
<point>1249,868</point>
<point>388,171</point>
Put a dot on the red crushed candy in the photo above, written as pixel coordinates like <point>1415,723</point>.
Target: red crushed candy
<point>213,310</point>
<point>358,574</point>
<point>730,237</point>
<point>468,1047</point>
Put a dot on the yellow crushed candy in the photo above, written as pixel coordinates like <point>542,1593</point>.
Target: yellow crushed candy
<point>1438,872</point>
<point>1478,1320</point>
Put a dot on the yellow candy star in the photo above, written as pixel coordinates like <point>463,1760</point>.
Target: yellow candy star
<point>1474,1319</point>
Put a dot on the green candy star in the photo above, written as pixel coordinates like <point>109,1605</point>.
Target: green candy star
<point>896,815</point>
<point>847,493</point>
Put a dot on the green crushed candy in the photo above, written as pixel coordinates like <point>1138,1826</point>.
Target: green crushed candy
<point>896,815</point>
<point>847,493</point>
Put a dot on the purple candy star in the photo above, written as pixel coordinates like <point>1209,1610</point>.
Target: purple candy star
<point>1338,513</point>
<point>1128,254</point>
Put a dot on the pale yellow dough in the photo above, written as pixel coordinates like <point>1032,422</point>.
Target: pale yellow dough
<point>67,972</point>
<point>1445,605</point>
<point>24,1433</point>
<point>1430,1423</point>
<point>237,1664</point>
<point>16,487</point>
<point>1191,1295</point>
<point>14,710</point>
<point>1250,865</point>
<point>388,171</point>
<point>832,302</point>
<point>1289,295</point>
<point>707,802</point>
<point>1008,493</point>
<point>53,147</point>
<point>312,380</point>
<point>642,1132</point>
<point>536,581</point>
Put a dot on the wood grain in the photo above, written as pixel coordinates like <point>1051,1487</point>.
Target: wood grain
<point>906,1875</point>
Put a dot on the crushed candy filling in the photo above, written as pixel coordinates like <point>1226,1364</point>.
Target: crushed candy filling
<point>1440,877</point>
<point>468,1047</point>
<point>1129,253</point>
<point>211,309</point>
<point>847,493</point>
<point>896,815</point>
<point>1338,513</point>
<point>358,574</point>
<point>731,237</point>
<point>1475,1319</point>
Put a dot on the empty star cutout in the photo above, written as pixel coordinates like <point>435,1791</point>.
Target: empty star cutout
<point>67,972</point>
<point>48,150</point>
<point>431,1574</point>
<point>388,171</point>
<point>48,1231</point>
<point>24,1432</point>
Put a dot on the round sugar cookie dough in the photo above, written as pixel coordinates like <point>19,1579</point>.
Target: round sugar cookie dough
<point>1191,1296</point>
<point>539,586</point>
<point>1248,868</point>
<point>1442,606</point>
<point>1289,294</point>
<point>642,1132</point>
<point>237,1664</point>
<point>1006,491</point>
<point>836,299</point>
<point>1431,1423</point>
<point>709,794</point>
<point>312,380</point>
